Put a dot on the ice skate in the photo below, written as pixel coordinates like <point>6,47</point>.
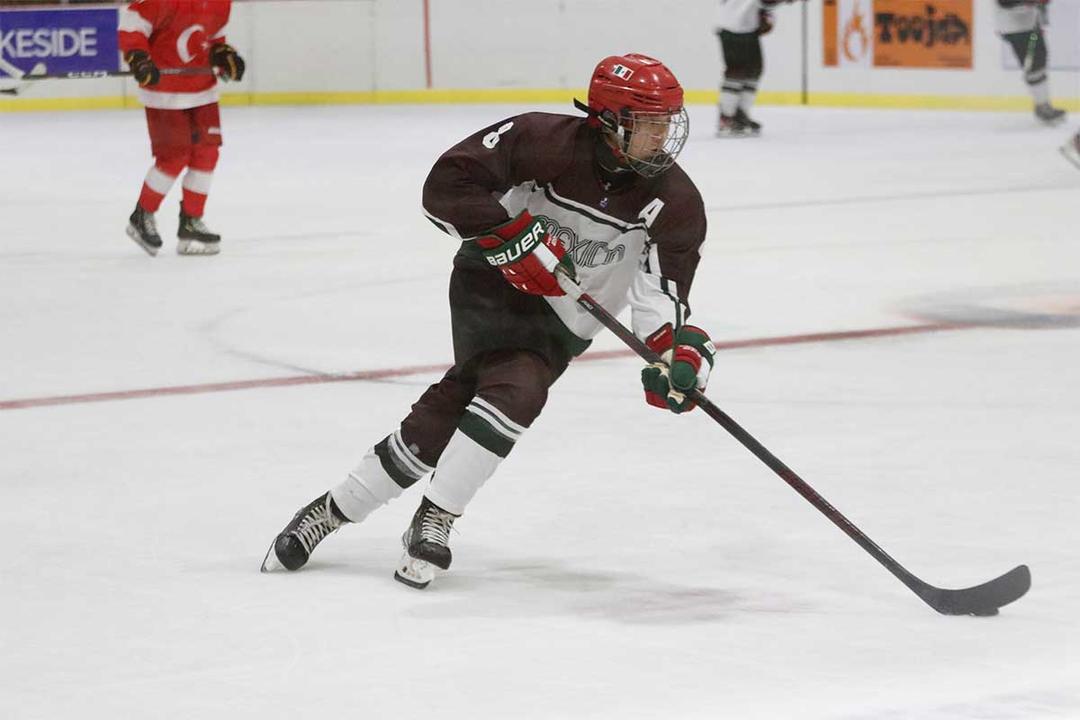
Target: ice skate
<point>730,126</point>
<point>310,526</point>
<point>1071,150</point>
<point>752,127</point>
<point>1049,114</point>
<point>195,238</point>
<point>143,229</point>
<point>426,542</point>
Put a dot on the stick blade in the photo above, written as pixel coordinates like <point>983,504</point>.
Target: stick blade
<point>982,599</point>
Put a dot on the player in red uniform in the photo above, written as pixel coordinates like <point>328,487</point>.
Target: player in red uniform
<point>176,49</point>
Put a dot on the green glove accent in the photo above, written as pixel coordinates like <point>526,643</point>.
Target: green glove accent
<point>658,391</point>
<point>686,361</point>
<point>684,366</point>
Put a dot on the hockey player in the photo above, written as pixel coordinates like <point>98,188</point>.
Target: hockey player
<point>604,195</point>
<point>740,25</point>
<point>1020,23</point>
<point>181,109</point>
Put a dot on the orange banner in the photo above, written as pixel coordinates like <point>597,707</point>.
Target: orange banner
<point>897,33</point>
<point>919,33</point>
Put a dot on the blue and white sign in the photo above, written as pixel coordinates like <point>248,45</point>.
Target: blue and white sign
<point>60,40</point>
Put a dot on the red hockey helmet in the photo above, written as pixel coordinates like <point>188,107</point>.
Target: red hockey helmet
<point>639,100</point>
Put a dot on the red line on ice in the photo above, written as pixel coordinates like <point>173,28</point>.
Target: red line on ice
<point>382,374</point>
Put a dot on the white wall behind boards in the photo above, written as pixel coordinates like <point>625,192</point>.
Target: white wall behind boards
<point>341,49</point>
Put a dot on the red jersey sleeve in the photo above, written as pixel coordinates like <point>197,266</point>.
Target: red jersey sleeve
<point>137,22</point>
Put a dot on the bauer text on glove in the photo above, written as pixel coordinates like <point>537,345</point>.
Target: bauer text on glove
<point>510,246</point>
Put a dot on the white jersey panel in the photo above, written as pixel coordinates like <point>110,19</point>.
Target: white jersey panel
<point>606,251</point>
<point>177,100</point>
<point>738,16</point>
<point>1021,18</point>
<point>654,300</point>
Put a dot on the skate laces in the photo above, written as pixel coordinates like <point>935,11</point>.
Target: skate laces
<point>435,526</point>
<point>316,525</point>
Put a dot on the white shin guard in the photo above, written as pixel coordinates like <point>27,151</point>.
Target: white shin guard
<point>367,488</point>
<point>464,467</point>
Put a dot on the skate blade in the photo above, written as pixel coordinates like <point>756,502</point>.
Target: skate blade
<point>1070,154</point>
<point>134,235</point>
<point>414,572</point>
<point>195,247</point>
<point>270,562</point>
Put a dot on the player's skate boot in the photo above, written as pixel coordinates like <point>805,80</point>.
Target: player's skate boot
<point>753,127</point>
<point>1071,149</point>
<point>143,229</point>
<point>195,238</point>
<point>731,126</point>
<point>1049,114</point>
<point>427,545</point>
<point>309,527</point>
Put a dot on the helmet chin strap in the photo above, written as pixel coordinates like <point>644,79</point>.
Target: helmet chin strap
<point>607,120</point>
<point>610,162</point>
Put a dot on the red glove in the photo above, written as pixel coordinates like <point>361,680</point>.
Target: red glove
<point>510,247</point>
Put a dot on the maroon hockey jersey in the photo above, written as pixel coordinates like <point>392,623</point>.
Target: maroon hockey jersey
<point>637,245</point>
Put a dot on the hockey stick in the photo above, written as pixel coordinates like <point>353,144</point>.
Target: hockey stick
<point>20,77</point>
<point>982,599</point>
<point>86,75</point>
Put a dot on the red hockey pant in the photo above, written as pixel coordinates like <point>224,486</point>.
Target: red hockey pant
<point>182,139</point>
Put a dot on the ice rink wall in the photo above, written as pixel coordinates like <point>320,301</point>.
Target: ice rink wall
<point>889,53</point>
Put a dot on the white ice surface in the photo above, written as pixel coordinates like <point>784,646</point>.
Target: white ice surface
<point>624,563</point>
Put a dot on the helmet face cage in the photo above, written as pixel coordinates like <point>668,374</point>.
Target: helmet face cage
<point>650,141</point>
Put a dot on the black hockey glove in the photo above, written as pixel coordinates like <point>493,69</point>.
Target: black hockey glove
<point>224,56</point>
<point>142,67</point>
<point>765,22</point>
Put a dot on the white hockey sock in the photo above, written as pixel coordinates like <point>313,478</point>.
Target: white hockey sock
<point>367,488</point>
<point>197,181</point>
<point>729,97</point>
<point>1041,92</point>
<point>747,96</point>
<point>483,438</point>
<point>158,181</point>
<point>385,471</point>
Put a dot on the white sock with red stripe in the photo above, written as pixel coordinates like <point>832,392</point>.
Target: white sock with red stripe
<point>196,188</point>
<point>155,187</point>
